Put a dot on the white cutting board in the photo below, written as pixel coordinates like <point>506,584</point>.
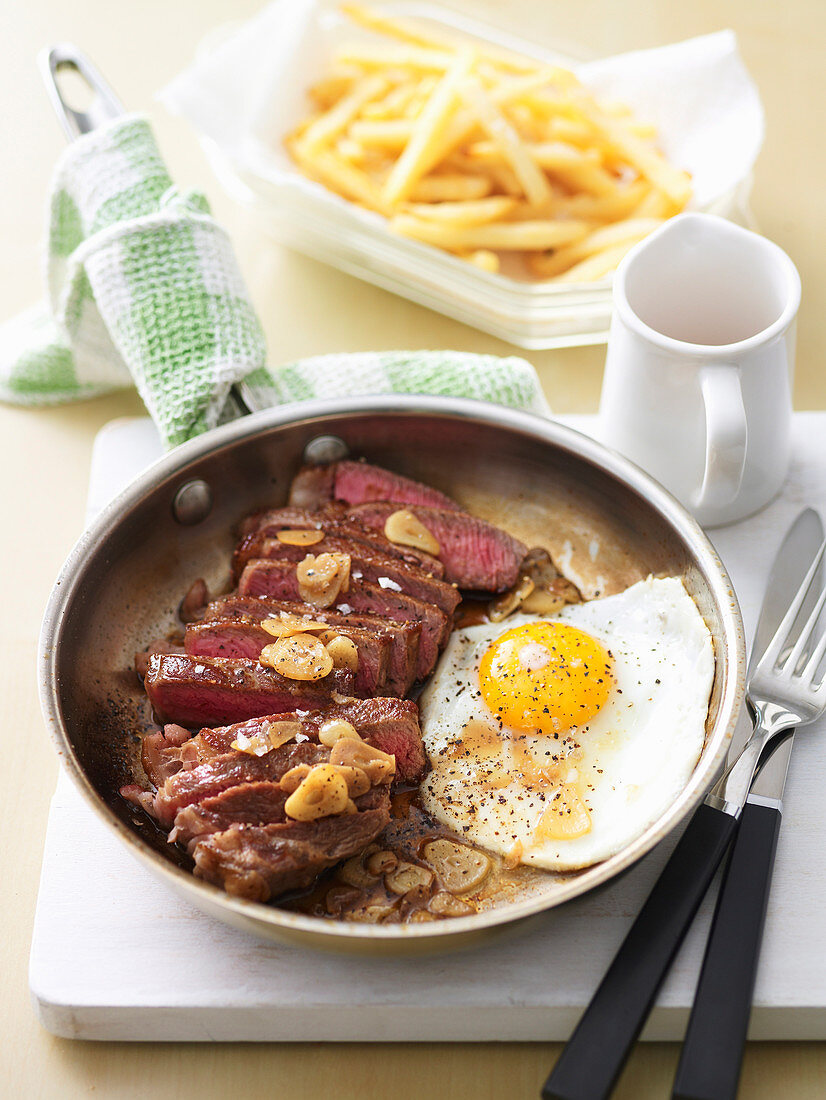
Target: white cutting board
<point>116,955</point>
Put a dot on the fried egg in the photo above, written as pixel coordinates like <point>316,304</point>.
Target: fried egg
<point>557,741</point>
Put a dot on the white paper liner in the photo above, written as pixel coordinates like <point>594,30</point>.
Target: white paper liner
<point>249,90</point>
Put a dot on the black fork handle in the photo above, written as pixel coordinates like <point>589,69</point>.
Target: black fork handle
<point>591,1062</point>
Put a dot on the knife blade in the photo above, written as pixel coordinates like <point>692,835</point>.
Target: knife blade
<point>712,1053</point>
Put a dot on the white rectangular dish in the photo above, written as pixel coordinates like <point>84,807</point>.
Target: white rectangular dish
<point>245,93</point>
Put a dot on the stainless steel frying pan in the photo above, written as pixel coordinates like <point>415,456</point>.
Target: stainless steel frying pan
<point>547,484</point>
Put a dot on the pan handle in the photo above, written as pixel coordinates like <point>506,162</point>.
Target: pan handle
<point>104,107</point>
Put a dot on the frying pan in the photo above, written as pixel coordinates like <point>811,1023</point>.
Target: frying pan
<point>547,484</point>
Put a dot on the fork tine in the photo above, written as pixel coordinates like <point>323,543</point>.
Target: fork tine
<point>813,662</point>
<point>806,635</point>
<point>780,639</point>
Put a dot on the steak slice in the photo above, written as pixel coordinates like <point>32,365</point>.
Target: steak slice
<point>369,564</point>
<point>261,862</point>
<point>475,554</point>
<point>210,691</point>
<point>359,482</point>
<point>228,770</point>
<point>260,803</point>
<point>278,579</point>
<point>332,520</point>
<point>246,638</point>
<point>391,725</point>
<point>403,636</point>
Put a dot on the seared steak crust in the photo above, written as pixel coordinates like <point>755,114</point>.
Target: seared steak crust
<point>476,555</point>
<point>209,691</point>
<point>404,636</point>
<point>260,862</point>
<point>278,579</point>
<point>391,725</point>
<point>260,803</point>
<point>370,565</point>
<point>333,520</point>
<point>228,770</point>
<point>357,482</point>
<point>246,638</point>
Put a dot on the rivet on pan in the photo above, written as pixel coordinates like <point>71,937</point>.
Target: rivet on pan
<point>192,503</point>
<point>325,449</point>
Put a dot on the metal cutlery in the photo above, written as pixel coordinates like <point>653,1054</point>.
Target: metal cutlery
<point>712,1054</point>
<point>782,694</point>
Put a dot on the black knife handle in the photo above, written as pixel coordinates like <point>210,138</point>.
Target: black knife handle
<point>712,1054</point>
<point>596,1052</point>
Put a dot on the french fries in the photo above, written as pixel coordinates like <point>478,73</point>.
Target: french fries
<point>483,153</point>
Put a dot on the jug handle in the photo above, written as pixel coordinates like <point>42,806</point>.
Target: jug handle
<point>726,436</point>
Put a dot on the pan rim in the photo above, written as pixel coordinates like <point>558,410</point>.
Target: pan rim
<point>542,429</point>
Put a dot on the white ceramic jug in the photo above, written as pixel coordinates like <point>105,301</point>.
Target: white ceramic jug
<point>698,374</point>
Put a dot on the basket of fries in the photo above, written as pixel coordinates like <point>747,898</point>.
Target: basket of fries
<point>464,169</point>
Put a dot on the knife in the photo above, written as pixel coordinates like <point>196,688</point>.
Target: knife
<point>592,1059</point>
<point>712,1054</point>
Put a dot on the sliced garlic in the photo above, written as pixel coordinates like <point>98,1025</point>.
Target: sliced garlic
<point>287,624</point>
<point>406,876</point>
<point>344,652</point>
<point>299,657</point>
<point>322,579</point>
<point>322,793</point>
<point>459,867</point>
<point>300,538</point>
<point>379,766</point>
<point>406,529</point>
<point>336,729</point>
<point>279,733</point>
<point>358,781</point>
<point>291,780</point>
<point>509,601</point>
<point>446,905</point>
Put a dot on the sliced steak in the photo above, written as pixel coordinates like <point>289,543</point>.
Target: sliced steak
<point>246,638</point>
<point>475,554</point>
<point>211,691</point>
<point>278,579</point>
<point>359,482</point>
<point>391,725</point>
<point>371,565</point>
<point>404,636</point>
<point>333,521</point>
<point>229,770</point>
<point>261,862</point>
<point>260,803</point>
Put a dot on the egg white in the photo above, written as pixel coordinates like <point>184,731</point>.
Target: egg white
<point>628,764</point>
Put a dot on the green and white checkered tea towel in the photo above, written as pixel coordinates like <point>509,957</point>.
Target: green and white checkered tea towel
<point>143,288</point>
<point>504,381</point>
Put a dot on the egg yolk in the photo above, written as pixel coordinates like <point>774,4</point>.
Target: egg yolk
<point>545,676</point>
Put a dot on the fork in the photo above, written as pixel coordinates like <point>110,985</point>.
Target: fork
<point>783,693</point>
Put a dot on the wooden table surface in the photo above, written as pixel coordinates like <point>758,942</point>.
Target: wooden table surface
<point>45,467</point>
